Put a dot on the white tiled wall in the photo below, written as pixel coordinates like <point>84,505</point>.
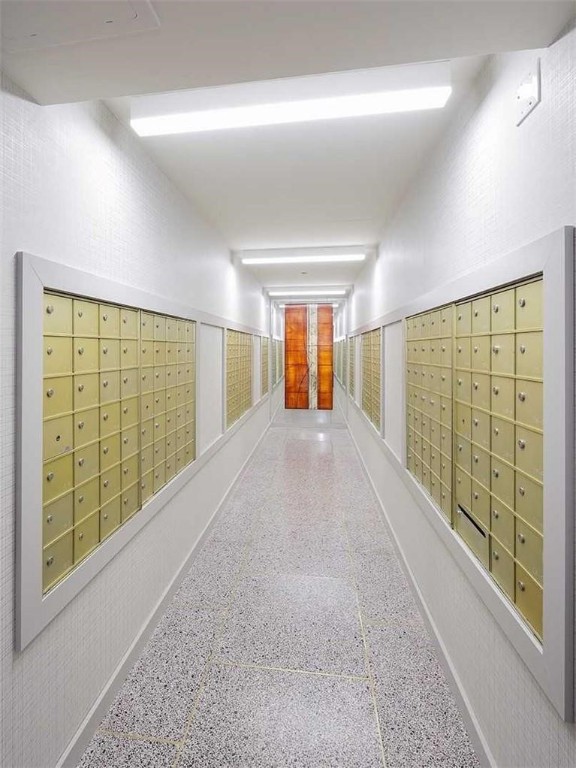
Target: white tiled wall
<point>488,188</point>
<point>77,187</point>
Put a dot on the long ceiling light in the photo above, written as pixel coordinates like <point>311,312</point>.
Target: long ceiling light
<point>304,259</point>
<point>329,292</point>
<point>331,108</point>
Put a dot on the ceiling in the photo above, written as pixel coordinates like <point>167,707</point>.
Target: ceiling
<point>310,184</point>
<point>174,44</point>
<point>307,184</point>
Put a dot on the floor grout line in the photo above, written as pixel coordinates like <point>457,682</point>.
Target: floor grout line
<point>210,661</point>
<point>371,682</point>
<point>270,668</point>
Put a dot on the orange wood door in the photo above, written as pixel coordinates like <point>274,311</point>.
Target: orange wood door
<point>299,375</point>
<point>325,357</point>
<point>296,362</point>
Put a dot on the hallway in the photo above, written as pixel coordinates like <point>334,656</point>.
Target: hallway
<point>294,639</point>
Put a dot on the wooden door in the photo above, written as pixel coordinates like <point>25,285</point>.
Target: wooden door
<point>309,356</point>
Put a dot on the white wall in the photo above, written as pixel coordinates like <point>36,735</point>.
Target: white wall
<point>487,189</point>
<point>210,424</point>
<point>78,188</point>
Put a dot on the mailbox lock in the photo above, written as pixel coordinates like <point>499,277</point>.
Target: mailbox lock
<point>521,444</point>
<point>105,450</point>
<point>125,349</point>
<point>80,387</point>
<point>459,382</point>
<point>125,379</point>
<point>495,349</point>
<point>476,496</point>
<point>80,350</point>
<point>106,516</point>
<point>105,317</point>
<point>495,308</point>
<point>106,483</point>
<point>125,501</point>
<point>495,514</point>
<point>496,431</point>
<point>521,586</point>
<point>521,538</point>
<point>521,396</point>
<point>495,555</point>
<point>50,393</point>
<point>475,313</point>
<point>80,313</point>
<point>49,351</point>
<point>460,448</point>
<point>475,459</point>
<point>81,462</point>
<point>475,385</point>
<point>522,349</point>
<point>80,536</point>
<point>125,470</point>
<point>475,421</point>
<point>495,390</point>
<point>459,317</point>
<point>49,519</point>
<point>80,499</point>
<point>521,491</point>
<point>80,425</point>
<point>49,309</point>
<point>521,302</point>
<point>105,417</point>
<point>50,561</point>
<point>105,383</point>
<point>125,441</point>
<point>50,476</point>
<point>105,350</point>
<point>125,410</point>
<point>124,320</point>
<point>496,473</point>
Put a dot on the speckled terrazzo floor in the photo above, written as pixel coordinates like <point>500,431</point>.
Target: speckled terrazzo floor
<point>294,639</point>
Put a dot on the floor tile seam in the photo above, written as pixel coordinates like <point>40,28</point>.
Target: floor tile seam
<point>257,574</point>
<point>414,623</point>
<point>225,610</point>
<point>291,670</point>
<point>136,736</point>
<point>371,681</point>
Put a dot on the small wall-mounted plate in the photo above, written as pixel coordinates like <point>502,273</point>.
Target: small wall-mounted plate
<point>528,93</point>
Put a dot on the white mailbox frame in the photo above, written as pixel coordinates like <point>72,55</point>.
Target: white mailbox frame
<point>551,662</point>
<point>34,610</point>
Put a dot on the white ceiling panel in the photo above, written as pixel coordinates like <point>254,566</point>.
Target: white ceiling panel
<point>211,43</point>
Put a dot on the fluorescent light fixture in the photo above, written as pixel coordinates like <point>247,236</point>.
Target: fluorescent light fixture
<point>329,292</point>
<point>304,259</point>
<point>278,113</point>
